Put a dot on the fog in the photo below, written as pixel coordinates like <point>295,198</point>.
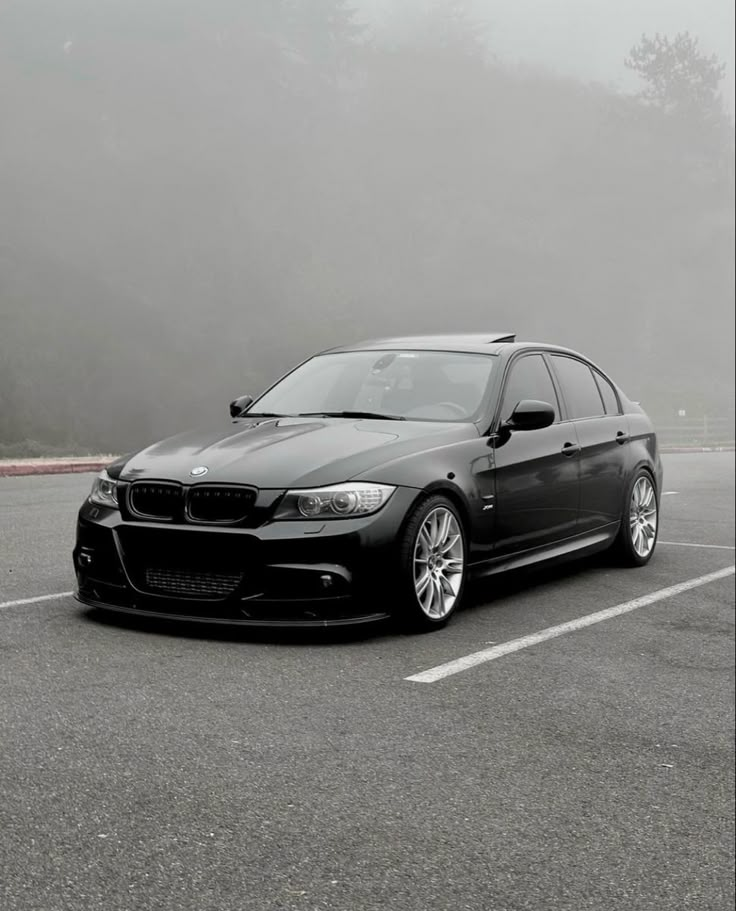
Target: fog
<point>581,38</point>
<point>197,195</point>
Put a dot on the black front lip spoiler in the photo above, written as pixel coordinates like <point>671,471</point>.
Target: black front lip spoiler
<point>228,621</point>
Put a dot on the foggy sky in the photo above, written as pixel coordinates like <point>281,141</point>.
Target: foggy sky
<point>584,38</point>
<point>195,196</point>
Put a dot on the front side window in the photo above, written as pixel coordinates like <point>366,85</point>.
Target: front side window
<point>529,379</point>
<point>415,385</point>
<point>579,388</point>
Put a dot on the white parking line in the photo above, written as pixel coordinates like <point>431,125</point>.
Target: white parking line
<point>23,601</point>
<point>670,493</point>
<point>688,544</point>
<point>515,645</point>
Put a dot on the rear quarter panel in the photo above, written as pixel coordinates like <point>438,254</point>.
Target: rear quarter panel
<point>643,448</point>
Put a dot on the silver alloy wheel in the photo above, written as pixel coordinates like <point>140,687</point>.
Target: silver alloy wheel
<point>643,516</point>
<point>439,563</point>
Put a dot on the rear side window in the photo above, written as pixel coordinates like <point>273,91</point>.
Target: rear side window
<point>529,379</point>
<point>578,387</point>
<point>607,392</point>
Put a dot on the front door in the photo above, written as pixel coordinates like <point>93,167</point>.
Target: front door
<point>536,471</point>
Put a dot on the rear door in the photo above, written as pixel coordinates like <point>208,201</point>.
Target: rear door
<point>592,404</point>
<point>536,471</point>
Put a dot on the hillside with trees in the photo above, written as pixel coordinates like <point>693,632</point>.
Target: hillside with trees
<point>192,203</point>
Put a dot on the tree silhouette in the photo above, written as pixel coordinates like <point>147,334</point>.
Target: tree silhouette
<point>679,77</point>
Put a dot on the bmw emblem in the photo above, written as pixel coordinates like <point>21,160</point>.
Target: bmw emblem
<point>199,471</point>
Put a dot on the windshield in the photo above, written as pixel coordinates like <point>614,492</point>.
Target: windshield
<point>414,385</point>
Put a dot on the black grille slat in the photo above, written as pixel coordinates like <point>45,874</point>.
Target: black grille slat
<point>157,500</point>
<point>169,501</point>
<point>187,584</point>
<point>219,503</point>
<point>190,563</point>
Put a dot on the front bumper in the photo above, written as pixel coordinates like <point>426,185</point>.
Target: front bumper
<point>286,573</point>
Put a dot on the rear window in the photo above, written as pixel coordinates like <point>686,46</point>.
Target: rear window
<point>579,388</point>
<point>610,399</point>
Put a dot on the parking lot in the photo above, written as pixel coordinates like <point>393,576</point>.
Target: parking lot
<point>172,767</point>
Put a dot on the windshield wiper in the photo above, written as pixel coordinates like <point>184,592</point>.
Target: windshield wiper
<point>352,414</point>
<point>263,414</point>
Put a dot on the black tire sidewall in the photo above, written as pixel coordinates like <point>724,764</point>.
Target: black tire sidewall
<point>625,542</point>
<point>410,614</point>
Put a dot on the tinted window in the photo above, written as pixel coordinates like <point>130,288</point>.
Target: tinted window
<point>579,388</point>
<point>529,379</point>
<point>609,396</point>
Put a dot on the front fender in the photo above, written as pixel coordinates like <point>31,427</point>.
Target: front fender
<point>462,471</point>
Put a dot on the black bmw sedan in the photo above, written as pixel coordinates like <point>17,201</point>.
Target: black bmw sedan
<point>373,481</point>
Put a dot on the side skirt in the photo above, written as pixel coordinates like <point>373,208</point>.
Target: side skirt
<point>568,549</point>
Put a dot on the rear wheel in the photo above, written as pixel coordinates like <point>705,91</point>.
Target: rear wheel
<point>637,537</point>
<point>432,565</point>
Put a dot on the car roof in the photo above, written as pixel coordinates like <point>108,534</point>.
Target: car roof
<point>468,342</point>
<point>461,341</point>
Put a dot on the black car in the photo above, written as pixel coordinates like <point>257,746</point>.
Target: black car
<point>372,481</point>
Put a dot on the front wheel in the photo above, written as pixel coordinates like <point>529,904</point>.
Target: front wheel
<point>432,565</point>
<point>637,537</point>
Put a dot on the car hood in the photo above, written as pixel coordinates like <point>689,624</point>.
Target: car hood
<point>288,452</point>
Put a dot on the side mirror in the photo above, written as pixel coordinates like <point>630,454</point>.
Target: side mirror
<point>238,406</point>
<point>530,415</point>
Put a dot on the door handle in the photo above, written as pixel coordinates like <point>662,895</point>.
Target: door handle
<point>622,437</point>
<point>570,449</point>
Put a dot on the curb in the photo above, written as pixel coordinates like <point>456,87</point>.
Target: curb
<point>26,467</point>
<point>23,467</point>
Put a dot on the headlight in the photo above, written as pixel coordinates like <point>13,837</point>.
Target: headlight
<point>336,502</point>
<point>104,491</point>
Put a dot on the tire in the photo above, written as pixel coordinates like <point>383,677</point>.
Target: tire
<point>637,537</point>
<point>433,537</point>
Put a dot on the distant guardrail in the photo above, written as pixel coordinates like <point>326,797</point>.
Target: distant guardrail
<point>704,431</point>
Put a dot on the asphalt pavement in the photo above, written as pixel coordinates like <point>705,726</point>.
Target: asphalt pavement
<point>166,767</point>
